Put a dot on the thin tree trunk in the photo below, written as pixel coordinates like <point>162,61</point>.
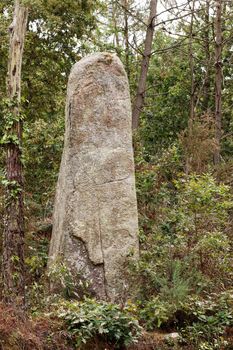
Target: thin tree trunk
<point>13,239</point>
<point>191,64</point>
<point>192,88</point>
<point>218,80</point>
<point>139,100</point>
<point>116,29</point>
<point>126,35</point>
<point>206,90</point>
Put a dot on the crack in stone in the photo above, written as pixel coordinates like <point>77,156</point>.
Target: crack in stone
<point>93,182</point>
<point>102,250</point>
<point>112,181</point>
<point>96,271</point>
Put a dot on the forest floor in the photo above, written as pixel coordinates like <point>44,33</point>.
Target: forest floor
<point>19,332</point>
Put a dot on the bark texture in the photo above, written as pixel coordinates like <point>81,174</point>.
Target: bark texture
<point>126,38</point>
<point>141,89</point>
<point>13,238</point>
<point>207,82</point>
<point>218,80</point>
<point>95,215</point>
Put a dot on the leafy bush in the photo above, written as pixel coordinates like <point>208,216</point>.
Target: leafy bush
<point>156,313</point>
<point>89,319</point>
<point>202,322</point>
<point>67,283</point>
<point>210,317</point>
<point>37,258</point>
<point>187,249</point>
<point>186,255</point>
<point>198,143</point>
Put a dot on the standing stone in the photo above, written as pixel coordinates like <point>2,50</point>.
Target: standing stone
<point>95,226</point>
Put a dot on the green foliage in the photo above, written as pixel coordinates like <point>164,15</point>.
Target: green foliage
<point>168,93</point>
<point>154,186</point>
<point>203,198</point>
<point>13,189</point>
<point>156,313</point>
<point>202,322</point>
<point>53,44</point>
<point>210,317</point>
<point>8,116</point>
<point>67,282</point>
<point>186,247</point>
<point>37,257</point>
<point>186,251</point>
<point>89,319</point>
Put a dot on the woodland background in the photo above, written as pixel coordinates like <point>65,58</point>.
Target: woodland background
<point>183,143</point>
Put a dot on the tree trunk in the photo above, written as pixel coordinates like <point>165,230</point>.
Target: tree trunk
<point>191,64</point>
<point>13,238</point>
<point>206,90</point>
<point>218,80</point>
<point>192,88</point>
<point>139,100</point>
<point>116,41</point>
<point>126,38</point>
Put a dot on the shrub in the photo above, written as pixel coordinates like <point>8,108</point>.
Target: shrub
<point>110,322</point>
<point>210,318</point>
<point>66,282</point>
<point>202,322</point>
<point>156,313</point>
<point>188,249</point>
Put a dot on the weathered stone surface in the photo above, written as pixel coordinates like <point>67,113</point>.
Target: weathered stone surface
<point>95,216</point>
